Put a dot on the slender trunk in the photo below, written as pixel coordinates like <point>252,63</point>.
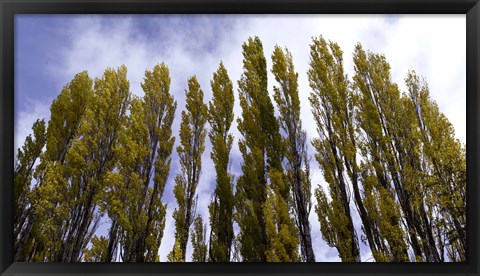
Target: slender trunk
<point>302,212</point>
<point>22,239</point>
<point>355,251</point>
<point>369,229</point>
<point>113,242</point>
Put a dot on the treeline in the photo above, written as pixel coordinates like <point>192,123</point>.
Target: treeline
<point>389,155</point>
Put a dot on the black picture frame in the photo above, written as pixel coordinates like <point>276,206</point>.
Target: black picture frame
<point>9,8</point>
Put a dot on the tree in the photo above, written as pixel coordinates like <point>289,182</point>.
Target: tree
<point>45,218</point>
<point>220,116</point>
<point>26,158</point>
<point>262,151</point>
<point>297,161</point>
<point>145,146</point>
<point>329,107</point>
<point>443,166</point>
<point>199,240</point>
<point>90,159</point>
<point>382,118</point>
<point>23,175</point>
<point>192,140</point>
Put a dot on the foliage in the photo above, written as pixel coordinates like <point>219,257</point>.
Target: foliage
<point>261,148</point>
<point>330,109</point>
<point>199,240</point>
<point>192,145</point>
<point>133,200</point>
<point>220,116</point>
<point>98,250</point>
<point>297,167</point>
<point>282,233</point>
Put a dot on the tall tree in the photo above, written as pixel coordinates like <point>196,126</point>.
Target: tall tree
<point>22,199</point>
<point>90,159</point>
<point>45,219</point>
<point>297,161</point>
<point>192,145</point>
<point>262,150</point>
<point>344,106</point>
<point>145,146</point>
<point>329,107</point>
<point>443,166</point>
<point>24,168</point>
<point>381,121</point>
<point>220,116</point>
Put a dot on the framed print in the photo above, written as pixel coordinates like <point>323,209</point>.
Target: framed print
<point>223,137</point>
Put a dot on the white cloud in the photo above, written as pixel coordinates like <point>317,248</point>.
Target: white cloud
<point>435,47</point>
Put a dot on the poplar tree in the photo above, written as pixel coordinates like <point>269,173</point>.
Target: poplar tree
<point>23,175</point>
<point>379,100</point>
<point>192,140</point>
<point>90,159</point>
<point>329,108</point>
<point>297,161</point>
<point>24,168</point>
<point>262,150</point>
<point>144,156</point>
<point>343,103</point>
<point>220,116</point>
<point>45,217</point>
<point>444,170</point>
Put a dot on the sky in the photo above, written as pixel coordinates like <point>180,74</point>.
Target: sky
<point>51,49</point>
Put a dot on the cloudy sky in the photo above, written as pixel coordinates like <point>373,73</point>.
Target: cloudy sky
<point>50,50</point>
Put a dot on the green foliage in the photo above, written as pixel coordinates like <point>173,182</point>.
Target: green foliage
<point>261,148</point>
<point>282,233</point>
<point>98,250</point>
<point>192,145</point>
<point>444,170</point>
<point>176,254</point>
<point>23,195</point>
<point>334,225</point>
<point>143,161</point>
<point>26,158</point>
<point>331,112</point>
<point>297,162</point>
<point>199,240</point>
<point>46,214</point>
<point>66,114</point>
<point>378,102</point>
<point>220,116</point>
<point>89,160</point>
<point>393,124</point>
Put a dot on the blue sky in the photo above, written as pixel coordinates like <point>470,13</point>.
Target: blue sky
<point>51,49</point>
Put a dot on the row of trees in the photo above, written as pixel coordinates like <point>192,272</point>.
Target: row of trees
<point>395,152</point>
<point>390,155</point>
